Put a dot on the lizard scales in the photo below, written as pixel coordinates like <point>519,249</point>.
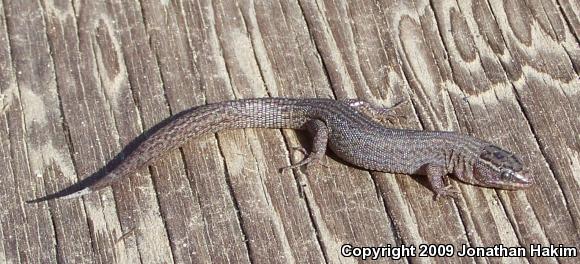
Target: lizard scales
<point>350,128</point>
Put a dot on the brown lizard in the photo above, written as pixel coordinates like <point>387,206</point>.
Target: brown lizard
<point>350,128</point>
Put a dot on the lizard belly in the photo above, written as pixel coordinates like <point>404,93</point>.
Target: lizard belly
<point>379,153</point>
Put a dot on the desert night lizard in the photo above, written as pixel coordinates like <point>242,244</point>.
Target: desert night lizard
<point>352,129</point>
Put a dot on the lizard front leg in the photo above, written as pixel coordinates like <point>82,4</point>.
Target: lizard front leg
<point>320,131</point>
<point>436,174</point>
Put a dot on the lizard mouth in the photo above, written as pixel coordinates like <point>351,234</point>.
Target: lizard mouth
<point>521,180</point>
<point>507,180</point>
<point>514,185</point>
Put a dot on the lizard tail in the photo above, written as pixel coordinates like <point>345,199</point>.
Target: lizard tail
<point>80,188</point>
<point>75,190</point>
<point>175,131</point>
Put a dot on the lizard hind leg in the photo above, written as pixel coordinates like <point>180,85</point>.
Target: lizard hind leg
<point>320,132</point>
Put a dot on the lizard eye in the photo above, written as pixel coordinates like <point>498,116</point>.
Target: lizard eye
<point>505,174</point>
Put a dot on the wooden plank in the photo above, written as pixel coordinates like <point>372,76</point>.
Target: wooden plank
<point>130,83</point>
<point>565,15</point>
<point>351,216</point>
<point>414,214</point>
<point>86,110</point>
<point>212,216</point>
<point>545,60</point>
<point>335,202</point>
<point>279,228</point>
<point>58,231</point>
<point>80,80</point>
<point>21,242</point>
<point>483,91</point>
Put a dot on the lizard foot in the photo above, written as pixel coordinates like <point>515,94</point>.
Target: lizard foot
<point>446,192</point>
<point>382,115</point>
<point>391,118</point>
<point>300,149</point>
<point>309,160</point>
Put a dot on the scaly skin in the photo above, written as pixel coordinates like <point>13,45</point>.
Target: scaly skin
<point>352,129</point>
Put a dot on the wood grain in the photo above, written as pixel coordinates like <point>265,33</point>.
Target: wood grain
<point>80,79</point>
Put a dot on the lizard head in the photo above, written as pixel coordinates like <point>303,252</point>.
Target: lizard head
<point>498,168</point>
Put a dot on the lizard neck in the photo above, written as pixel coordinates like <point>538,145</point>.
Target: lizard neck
<point>460,165</point>
<point>460,158</point>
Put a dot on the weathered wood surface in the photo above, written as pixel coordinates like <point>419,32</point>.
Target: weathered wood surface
<point>81,79</point>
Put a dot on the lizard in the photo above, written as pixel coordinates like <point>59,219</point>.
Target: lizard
<point>352,129</point>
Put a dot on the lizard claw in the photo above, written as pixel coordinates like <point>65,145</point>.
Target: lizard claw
<point>311,159</point>
<point>446,192</point>
<point>391,118</point>
<point>304,162</point>
<point>301,149</point>
<point>283,169</point>
<point>292,166</point>
<point>307,162</point>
